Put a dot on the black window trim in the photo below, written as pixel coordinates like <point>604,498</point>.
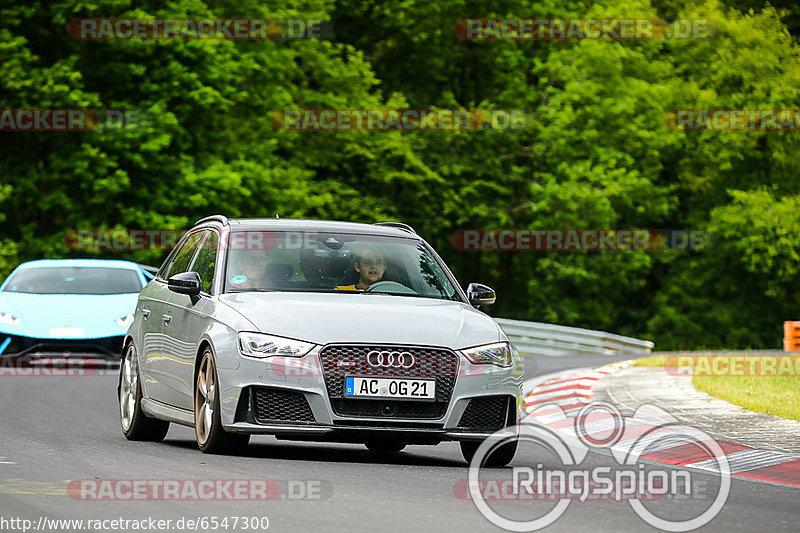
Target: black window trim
<point>209,231</point>
<point>174,253</point>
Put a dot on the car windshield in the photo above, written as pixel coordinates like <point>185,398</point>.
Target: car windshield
<point>328,262</point>
<point>74,280</point>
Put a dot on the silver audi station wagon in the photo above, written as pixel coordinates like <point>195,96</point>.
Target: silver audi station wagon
<point>319,331</point>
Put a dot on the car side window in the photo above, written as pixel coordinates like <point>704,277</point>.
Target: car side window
<point>206,262</point>
<point>184,256</point>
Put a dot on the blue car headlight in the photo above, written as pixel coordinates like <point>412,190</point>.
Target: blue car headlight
<point>7,319</point>
<point>260,345</point>
<point>498,353</point>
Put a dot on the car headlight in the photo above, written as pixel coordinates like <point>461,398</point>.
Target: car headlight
<point>9,319</point>
<point>125,321</point>
<point>260,345</point>
<point>499,353</point>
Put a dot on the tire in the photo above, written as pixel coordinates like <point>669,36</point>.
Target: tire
<point>385,446</point>
<point>501,456</point>
<point>210,435</point>
<point>135,424</point>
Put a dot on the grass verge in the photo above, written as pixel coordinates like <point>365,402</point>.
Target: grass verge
<point>772,395</point>
<point>779,396</point>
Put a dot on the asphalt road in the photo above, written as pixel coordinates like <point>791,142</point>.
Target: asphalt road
<point>58,429</point>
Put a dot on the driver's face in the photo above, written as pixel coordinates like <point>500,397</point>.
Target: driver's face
<point>371,267</point>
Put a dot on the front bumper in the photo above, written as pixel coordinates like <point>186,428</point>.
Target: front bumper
<point>16,345</point>
<point>288,397</point>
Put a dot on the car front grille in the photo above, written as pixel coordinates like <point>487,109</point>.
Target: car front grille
<point>276,405</point>
<point>339,361</point>
<point>488,413</point>
<point>107,346</point>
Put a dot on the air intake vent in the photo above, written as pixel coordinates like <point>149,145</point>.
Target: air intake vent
<point>276,405</point>
<point>486,414</point>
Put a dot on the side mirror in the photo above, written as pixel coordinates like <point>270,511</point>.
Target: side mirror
<point>479,294</point>
<point>185,283</point>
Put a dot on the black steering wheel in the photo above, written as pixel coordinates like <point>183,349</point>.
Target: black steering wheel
<point>391,287</point>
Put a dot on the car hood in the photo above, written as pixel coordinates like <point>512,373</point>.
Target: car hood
<point>67,316</point>
<point>324,318</point>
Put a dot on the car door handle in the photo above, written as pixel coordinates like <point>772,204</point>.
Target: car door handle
<point>146,313</point>
<point>167,319</point>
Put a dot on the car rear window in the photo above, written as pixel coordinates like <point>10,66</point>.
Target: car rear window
<point>74,280</point>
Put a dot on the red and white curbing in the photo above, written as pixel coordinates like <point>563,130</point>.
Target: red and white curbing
<point>571,392</point>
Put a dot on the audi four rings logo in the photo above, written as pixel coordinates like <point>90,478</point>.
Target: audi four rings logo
<point>388,359</point>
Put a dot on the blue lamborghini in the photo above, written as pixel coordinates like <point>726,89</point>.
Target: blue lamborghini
<point>69,306</point>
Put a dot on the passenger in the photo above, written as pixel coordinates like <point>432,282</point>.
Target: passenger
<point>250,268</point>
<point>370,266</point>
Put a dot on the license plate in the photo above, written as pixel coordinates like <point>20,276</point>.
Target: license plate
<point>414,389</point>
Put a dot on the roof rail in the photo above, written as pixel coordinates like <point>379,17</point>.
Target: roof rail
<point>398,225</point>
<point>214,218</point>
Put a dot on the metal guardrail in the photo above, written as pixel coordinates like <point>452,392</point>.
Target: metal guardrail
<point>538,338</point>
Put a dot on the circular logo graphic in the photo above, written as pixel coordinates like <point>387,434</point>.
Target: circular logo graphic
<point>387,359</point>
<point>601,425</point>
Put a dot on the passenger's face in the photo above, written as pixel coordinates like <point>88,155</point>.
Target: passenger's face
<point>371,267</point>
<point>253,265</point>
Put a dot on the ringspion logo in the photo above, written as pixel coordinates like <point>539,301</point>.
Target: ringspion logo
<point>571,477</point>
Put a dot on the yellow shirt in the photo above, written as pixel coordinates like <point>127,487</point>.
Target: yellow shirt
<point>347,288</point>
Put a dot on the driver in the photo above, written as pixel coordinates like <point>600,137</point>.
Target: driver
<point>370,266</point>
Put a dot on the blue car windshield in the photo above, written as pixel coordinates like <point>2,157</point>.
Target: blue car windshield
<point>74,280</point>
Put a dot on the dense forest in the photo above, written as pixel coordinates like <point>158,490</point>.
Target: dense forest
<point>597,154</point>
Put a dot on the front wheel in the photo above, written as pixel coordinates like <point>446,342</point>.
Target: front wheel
<point>211,436</point>
<point>135,424</point>
<point>500,457</point>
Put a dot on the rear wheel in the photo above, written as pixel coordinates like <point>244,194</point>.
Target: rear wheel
<point>211,436</point>
<point>501,456</point>
<point>385,446</point>
<point>135,424</point>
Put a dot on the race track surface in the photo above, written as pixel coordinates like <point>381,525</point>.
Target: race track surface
<point>55,430</point>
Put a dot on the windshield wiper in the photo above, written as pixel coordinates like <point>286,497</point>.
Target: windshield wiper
<point>254,289</point>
